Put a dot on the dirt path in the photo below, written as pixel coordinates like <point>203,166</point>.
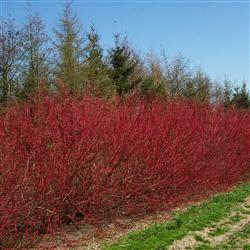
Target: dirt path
<point>89,238</point>
<point>232,231</point>
<point>220,234</point>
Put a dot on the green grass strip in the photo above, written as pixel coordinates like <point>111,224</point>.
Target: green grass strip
<point>196,218</point>
<point>236,241</point>
<point>233,242</point>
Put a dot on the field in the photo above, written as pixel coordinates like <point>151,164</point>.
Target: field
<point>67,160</point>
<point>222,222</point>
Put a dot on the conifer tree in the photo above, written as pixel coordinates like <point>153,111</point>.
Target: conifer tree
<point>241,97</point>
<point>203,83</point>
<point>10,58</point>
<point>70,51</point>
<point>122,67</point>
<point>95,70</point>
<point>227,93</point>
<point>36,53</point>
<point>198,86</point>
<point>189,89</point>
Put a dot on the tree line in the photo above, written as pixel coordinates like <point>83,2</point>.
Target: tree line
<point>77,59</point>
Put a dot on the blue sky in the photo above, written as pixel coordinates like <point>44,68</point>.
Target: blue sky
<point>213,34</point>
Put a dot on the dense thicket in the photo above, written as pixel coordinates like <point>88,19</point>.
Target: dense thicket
<point>65,159</point>
<point>76,59</point>
<point>153,141</point>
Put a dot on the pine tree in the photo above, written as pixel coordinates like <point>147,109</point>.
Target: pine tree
<point>95,70</point>
<point>227,93</point>
<point>35,65</point>
<point>190,90</point>
<point>122,67</point>
<point>198,86</point>
<point>70,49</point>
<point>241,97</point>
<point>203,83</point>
<point>10,58</point>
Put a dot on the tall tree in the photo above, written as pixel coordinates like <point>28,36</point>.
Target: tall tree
<point>203,85</point>
<point>241,97</point>
<point>154,81</point>
<point>197,85</point>
<point>190,89</point>
<point>227,93</point>
<point>217,93</point>
<point>70,49</point>
<point>95,69</point>
<point>10,57</point>
<point>177,74</point>
<point>123,66</point>
<point>36,53</point>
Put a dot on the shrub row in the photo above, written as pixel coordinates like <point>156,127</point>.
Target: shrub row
<point>65,159</point>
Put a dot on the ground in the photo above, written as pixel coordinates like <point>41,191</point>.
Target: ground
<point>231,232</point>
<point>221,222</point>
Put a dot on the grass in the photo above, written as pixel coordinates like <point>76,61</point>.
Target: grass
<point>200,238</point>
<point>219,231</point>
<point>196,218</point>
<point>233,242</point>
<point>235,218</point>
<point>244,211</point>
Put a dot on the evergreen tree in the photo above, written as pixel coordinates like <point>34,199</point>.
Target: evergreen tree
<point>227,93</point>
<point>70,49</point>
<point>198,86</point>
<point>35,63</point>
<point>241,97</point>
<point>203,83</point>
<point>138,73</point>
<point>190,90</point>
<point>95,70</point>
<point>10,58</point>
<point>122,67</point>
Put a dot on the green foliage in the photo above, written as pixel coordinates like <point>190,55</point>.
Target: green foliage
<point>200,238</point>
<point>154,80</point>
<point>241,97</point>
<point>197,217</point>
<point>203,86</point>
<point>10,58</point>
<point>122,67</point>
<point>70,49</point>
<point>235,218</point>
<point>190,90</point>
<point>149,86</point>
<point>198,87</point>
<point>27,57</point>
<point>177,75</point>
<point>227,93</point>
<point>95,70</point>
<point>238,97</point>
<point>236,241</point>
<point>219,231</point>
<point>35,62</point>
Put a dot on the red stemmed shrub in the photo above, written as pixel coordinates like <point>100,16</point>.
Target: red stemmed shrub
<point>66,159</point>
